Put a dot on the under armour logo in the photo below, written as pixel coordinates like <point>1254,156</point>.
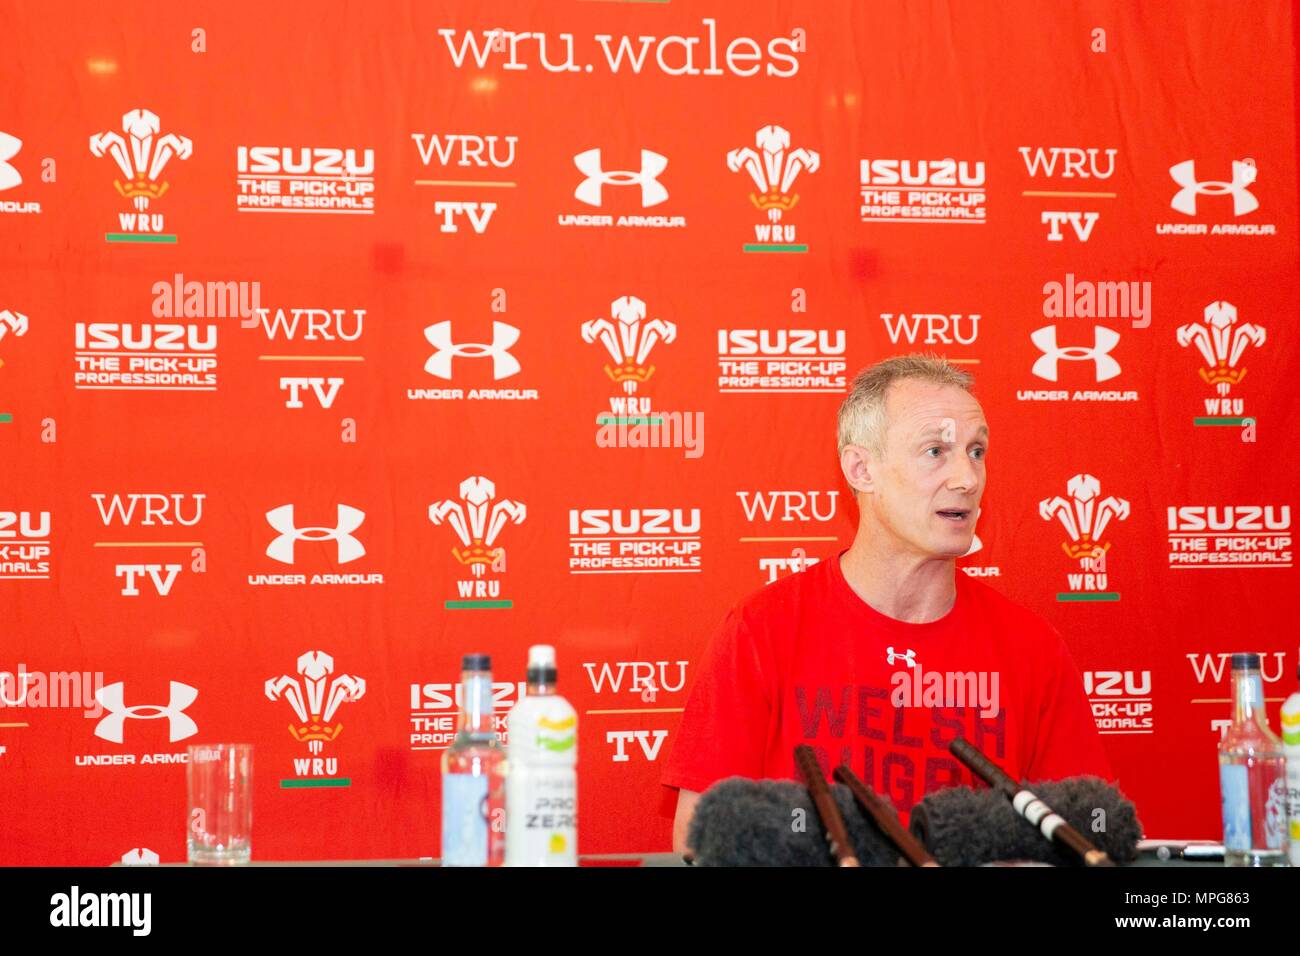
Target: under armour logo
<point>589,190</point>
<point>12,321</point>
<point>349,548</point>
<point>908,658</point>
<point>180,725</point>
<point>1243,174</point>
<point>1103,340</point>
<point>9,146</point>
<point>503,363</point>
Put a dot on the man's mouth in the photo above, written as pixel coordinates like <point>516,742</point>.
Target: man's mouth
<point>956,515</point>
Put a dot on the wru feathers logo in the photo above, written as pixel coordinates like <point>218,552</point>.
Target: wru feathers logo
<point>628,336</point>
<point>1085,515</point>
<point>477,518</point>
<point>315,696</point>
<point>141,156</point>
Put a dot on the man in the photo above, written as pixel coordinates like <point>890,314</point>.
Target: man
<point>839,656</point>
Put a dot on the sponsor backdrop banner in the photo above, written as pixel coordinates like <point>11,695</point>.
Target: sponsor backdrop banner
<point>341,340</point>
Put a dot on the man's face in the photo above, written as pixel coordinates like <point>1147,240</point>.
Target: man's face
<point>928,481</point>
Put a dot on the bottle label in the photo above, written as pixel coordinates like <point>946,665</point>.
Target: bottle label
<point>1275,814</point>
<point>1293,801</point>
<point>464,820</point>
<point>542,816</point>
<point>557,736</point>
<point>1235,785</point>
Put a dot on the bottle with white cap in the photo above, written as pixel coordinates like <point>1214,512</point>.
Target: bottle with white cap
<point>1291,746</point>
<point>541,771</point>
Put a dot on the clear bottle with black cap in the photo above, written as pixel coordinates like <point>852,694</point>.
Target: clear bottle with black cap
<point>1252,776</point>
<point>473,776</point>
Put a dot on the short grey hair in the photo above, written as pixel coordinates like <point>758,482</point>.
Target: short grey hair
<point>862,413</point>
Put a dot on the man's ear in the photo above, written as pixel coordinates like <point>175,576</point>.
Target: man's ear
<point>857,464</point>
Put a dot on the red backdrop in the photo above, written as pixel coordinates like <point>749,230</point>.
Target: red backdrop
<point>778,168</point>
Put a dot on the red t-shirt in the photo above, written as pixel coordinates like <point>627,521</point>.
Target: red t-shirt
<point>805,660</point>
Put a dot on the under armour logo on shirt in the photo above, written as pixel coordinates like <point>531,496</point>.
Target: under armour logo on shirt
<point>908,658</point>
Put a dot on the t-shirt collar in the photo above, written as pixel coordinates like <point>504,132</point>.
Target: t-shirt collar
<point>875,619</point>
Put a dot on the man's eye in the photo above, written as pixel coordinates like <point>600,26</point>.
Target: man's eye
<point>935,449</point>
<point>978,453</point>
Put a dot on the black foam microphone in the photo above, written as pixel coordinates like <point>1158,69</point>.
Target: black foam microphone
<point>965,827</point>
<point>743,822</point>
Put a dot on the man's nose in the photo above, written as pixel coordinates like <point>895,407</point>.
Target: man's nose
<point>964,477</point>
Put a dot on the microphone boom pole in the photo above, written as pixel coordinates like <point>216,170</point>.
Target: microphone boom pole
<point>1050,823</point>
<point>885,818</point>
<point>837,833</point>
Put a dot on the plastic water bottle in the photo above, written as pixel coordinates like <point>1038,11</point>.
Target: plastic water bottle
<point>473,769</point>
<point>542,776</point>
<point>1252,776</point>
<point>1291,746</point>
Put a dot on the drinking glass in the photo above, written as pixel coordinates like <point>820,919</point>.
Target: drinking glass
<point>220,825</point>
